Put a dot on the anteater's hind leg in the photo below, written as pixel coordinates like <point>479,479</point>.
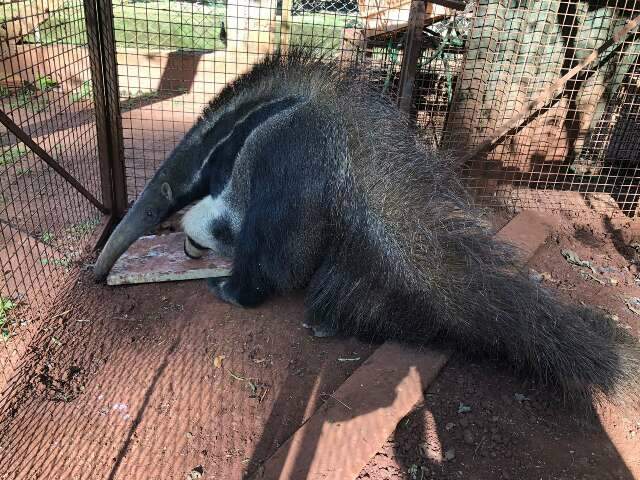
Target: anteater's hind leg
<point>320,327</point>
<point>321,315</point>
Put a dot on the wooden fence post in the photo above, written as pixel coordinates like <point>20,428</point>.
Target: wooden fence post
<point>412,50</point>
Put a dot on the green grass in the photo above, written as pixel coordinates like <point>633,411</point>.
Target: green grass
<point>13,154</point>
<point>319,30</point>
<point>154,25</point>
<point>57,262</point>
<point>28,96</point>
<point>10,10</point>
<point>6,305</point>
<point>163,25</point>
<point>45,83</point>
<point>27,99</point>
<point>47,237</point>
<point>81,229</point>
<point>138,99</point>
<point>85,92</point>
<point>171,25</point>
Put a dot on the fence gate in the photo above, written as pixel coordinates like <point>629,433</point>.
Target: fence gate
<point>58,155</point>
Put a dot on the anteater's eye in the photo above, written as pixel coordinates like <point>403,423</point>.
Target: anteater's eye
<point>221,231</point>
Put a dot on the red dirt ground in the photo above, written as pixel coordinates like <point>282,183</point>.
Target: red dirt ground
<point>129,389</point>
<point>125,385</point>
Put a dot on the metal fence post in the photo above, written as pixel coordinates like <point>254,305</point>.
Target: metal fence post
<point>102,56</point>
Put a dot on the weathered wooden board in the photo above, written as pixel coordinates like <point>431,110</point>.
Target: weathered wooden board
<point>161,258</point>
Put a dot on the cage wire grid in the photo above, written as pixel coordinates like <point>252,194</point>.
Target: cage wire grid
<point>477,67</point>
<point>44,221</point>
<point>475,73</point>
<point>513,53</point>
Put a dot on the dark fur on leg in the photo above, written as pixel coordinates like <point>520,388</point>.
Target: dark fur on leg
<point>321,328</point>
<point>238,293</point>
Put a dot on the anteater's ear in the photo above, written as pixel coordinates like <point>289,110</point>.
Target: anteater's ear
<point>165,188</point>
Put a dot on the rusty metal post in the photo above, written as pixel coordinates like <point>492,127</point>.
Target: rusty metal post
<point>412,49</point>
<point>104,72</point>
<point>49,160</point>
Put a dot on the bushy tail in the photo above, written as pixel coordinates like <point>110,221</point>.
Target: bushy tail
<point>481,304</point>
<point>501,311</point>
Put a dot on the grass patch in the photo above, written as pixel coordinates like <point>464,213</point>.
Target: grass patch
<point>12,155</point>
<point>323,31</point>
<point>81,229</point>
<point>63,262</point>
<point>23,171</point>
<point>27,96</point>
<point>155,25</point>
<point>6,305</point>
<point>45,83</point>
<point>138,99</point>
<point>33,104</point>
<point>165,25</point>
<point>172,25</point>
<point>47,237</point>
<point>11,10</point>
<point>85,92</point>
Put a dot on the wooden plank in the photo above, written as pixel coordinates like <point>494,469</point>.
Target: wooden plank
<point>395,28</point>
<point>528,231</point>
<point>411,55</point>
<point>453,4</point>
<point>162,259</point>
<point>358,418</point>
<point>285,25</point>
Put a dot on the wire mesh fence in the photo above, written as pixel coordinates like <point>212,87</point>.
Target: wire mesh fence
<point>516,51</point>
<point>468,69</point>
<point>125,79</point>
<point>44,220</point>
<point>478,66</point>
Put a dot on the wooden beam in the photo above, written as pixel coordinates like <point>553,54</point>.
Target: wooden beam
<point>161,258</point>
<point>49,160</point>
<point>375,33</point>
<point>356,420</point>
<point>285,25</point>
<point>454,4</point>
<point>411,55</point>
